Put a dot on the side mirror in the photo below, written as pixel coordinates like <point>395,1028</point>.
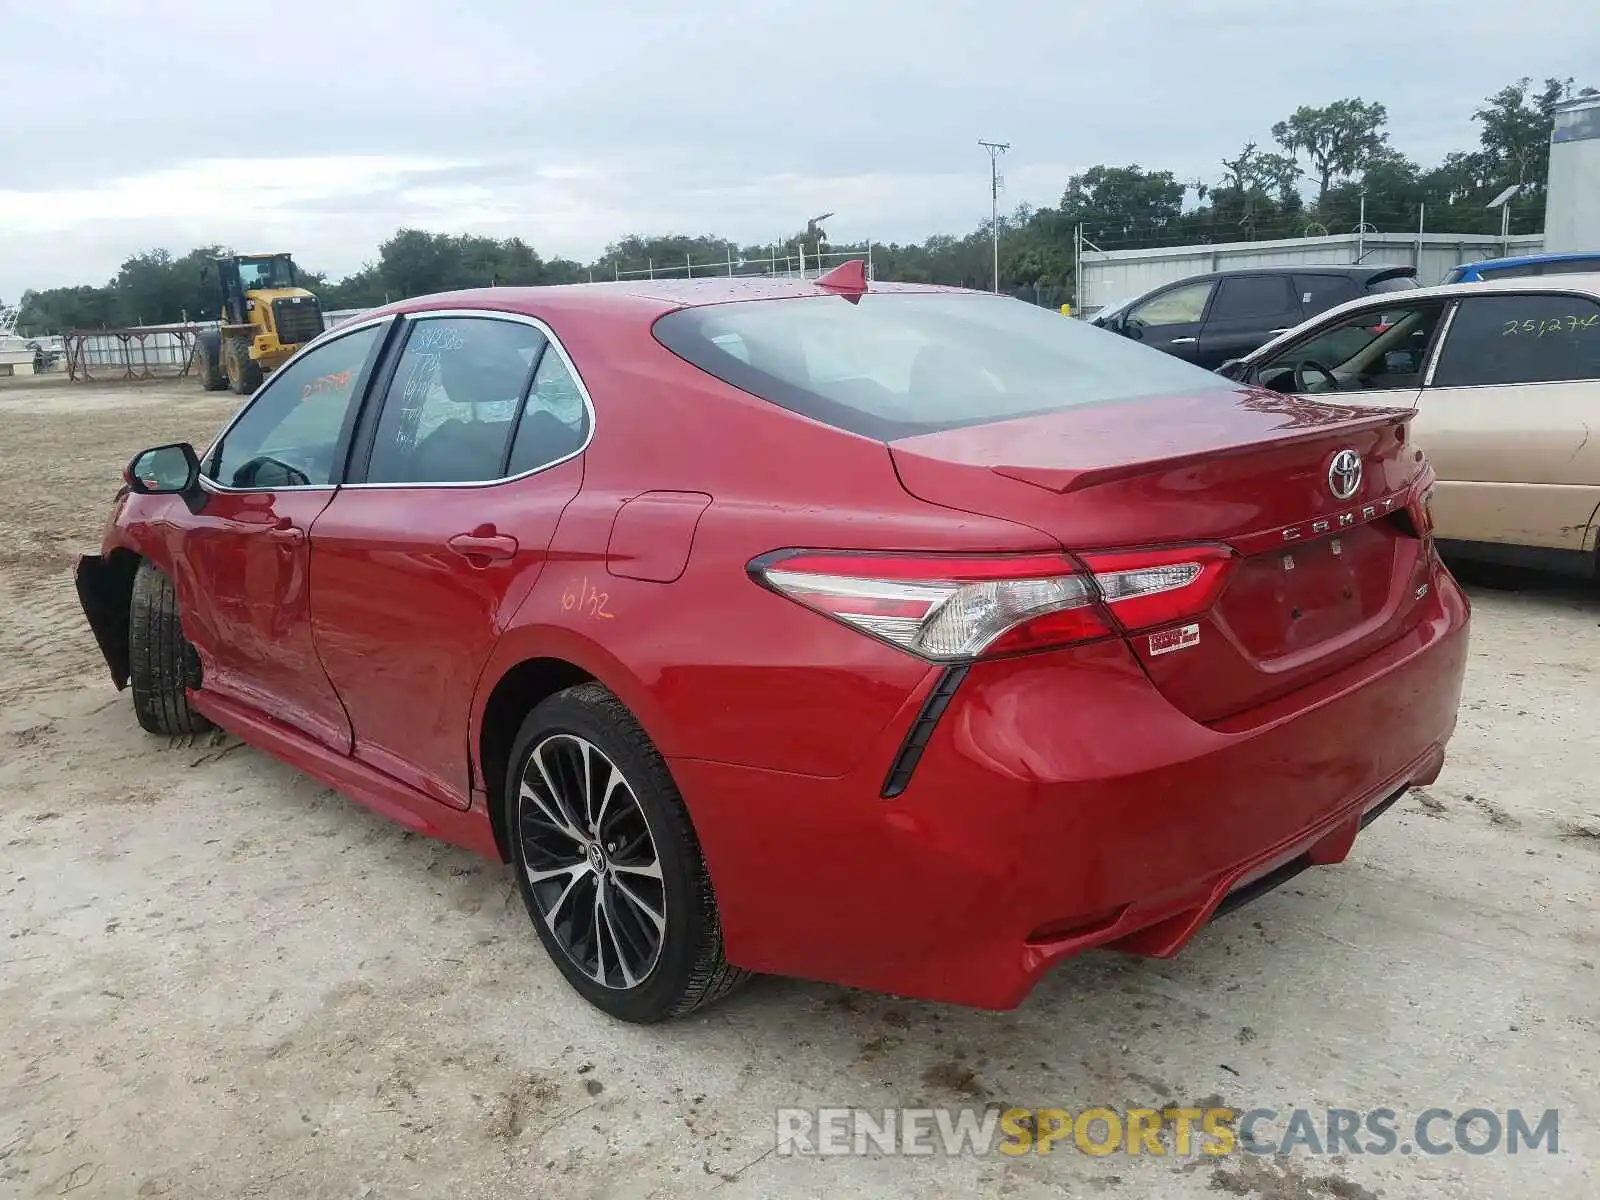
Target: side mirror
<point>1232,369</point>
<point>164,470</point>
<point>1131,327</point>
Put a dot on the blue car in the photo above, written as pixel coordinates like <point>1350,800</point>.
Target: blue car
<point>1528,264</point>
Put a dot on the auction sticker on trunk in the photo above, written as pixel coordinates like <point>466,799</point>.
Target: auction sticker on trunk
<point>1169,640</point>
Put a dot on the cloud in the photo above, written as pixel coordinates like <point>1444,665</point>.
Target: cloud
<point>573,125</point>
<point>252,187</point>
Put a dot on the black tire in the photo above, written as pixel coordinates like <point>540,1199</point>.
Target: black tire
<point>162,665</point>
<point>208,360</point>
<point>688,967</point>
<point>244,373</point>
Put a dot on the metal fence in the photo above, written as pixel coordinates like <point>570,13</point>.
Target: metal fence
<point>1044,295</point>
<point>798,263</point>
<point>141,352</point>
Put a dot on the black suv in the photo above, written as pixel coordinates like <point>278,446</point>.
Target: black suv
<point>1209,319</point>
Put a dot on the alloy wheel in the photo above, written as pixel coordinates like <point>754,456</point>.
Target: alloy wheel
<point>591,861</point>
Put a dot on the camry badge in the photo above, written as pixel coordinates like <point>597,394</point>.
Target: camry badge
<point>1344,474</point>
<point>1294,533</point>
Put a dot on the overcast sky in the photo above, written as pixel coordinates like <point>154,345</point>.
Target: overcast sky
<point>155,123</point>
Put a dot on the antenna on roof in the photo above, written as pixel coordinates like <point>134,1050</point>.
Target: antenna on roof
<point>848,279</point>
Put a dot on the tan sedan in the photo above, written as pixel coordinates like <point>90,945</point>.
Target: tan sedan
<point>1505,380</point>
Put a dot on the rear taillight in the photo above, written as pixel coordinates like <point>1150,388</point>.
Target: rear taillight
<point>1146,588</point>
<point>952,609</point>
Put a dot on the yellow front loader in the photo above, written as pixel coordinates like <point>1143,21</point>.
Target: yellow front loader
<point>266,317</point>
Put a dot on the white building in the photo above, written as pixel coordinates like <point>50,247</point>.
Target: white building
<point>1572,202</point>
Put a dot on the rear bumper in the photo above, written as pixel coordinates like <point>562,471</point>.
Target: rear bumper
<point>1063,804</point>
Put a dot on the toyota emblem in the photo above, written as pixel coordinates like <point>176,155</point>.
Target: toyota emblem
<point>1344,474</point>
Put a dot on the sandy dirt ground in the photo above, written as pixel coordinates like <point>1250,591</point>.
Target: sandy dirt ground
<point>219,979</point>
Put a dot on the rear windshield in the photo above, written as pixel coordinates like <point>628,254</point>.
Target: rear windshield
<point>896,365</point>
<point>1560,266</point>
<point>1516,271</point>
<point>1393,283</point>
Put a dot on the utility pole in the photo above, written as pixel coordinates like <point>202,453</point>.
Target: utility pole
<point>995,149</point>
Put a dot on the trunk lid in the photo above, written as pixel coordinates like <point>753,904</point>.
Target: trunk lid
<point>1317,582</point>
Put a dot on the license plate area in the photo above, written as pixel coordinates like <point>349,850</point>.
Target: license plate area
<point>1285,602</point>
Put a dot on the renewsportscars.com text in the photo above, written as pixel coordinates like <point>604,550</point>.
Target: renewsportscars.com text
<point>1177,1131</point>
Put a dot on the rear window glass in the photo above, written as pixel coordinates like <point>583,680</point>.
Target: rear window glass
<point>1509,339</point>
<point>1394,283</point>
<point>899,365</point>
<point>1564,266</point>
<point>1520,271</point>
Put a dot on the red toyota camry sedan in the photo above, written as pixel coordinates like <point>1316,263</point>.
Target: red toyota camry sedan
<point>903,637</point>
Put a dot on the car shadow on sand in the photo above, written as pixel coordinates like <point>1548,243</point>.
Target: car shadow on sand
<point>1489,579</point>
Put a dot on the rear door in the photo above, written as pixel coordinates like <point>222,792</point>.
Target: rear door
<point>1508,419</point>
<point>1171,320</point>
<point>1247,312</point>
<point>457,486</point>
<point>1318,293</point>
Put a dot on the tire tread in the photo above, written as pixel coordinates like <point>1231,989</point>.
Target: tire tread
<point>711,977</point>
<point>244,374</point>
<point>162,664</point>
<point>208,350</point>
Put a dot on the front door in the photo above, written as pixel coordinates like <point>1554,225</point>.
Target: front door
<point>422,560</point>
<point>243,562</point>
<point>1171,320</point>
<point>1373,357</point>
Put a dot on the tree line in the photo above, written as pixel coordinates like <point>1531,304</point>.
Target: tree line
<point>1319,170</point>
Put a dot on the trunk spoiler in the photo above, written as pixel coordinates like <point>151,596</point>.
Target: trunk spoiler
<point>1391,273</point>
<point>1065,479</point>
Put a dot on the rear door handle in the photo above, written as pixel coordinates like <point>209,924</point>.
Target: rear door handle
<point>484,545</point>
<point>1183,341</point>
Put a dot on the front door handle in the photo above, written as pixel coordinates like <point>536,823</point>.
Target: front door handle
<point>285,530</point>
<point>484,545</point>
<point>1183,341</point>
